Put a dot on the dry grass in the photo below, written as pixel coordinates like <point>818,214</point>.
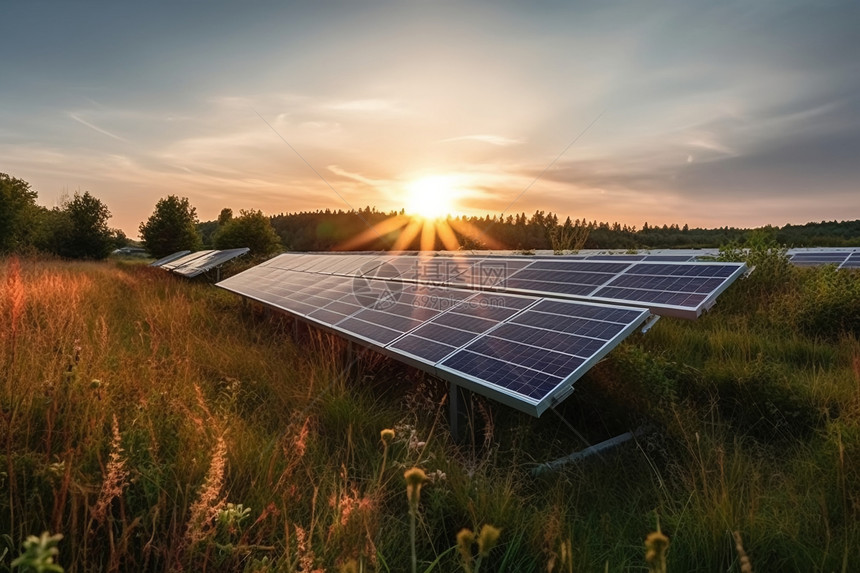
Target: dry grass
<point>157,426</point>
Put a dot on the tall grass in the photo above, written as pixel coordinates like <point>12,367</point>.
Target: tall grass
<point>157,425</point>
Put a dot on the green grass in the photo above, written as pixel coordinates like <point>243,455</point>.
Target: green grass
<point>753,414</point>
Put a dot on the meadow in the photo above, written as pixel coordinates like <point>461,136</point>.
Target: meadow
<point>158,424</point>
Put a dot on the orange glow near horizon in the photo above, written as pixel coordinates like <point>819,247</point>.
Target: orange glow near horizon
<point>402,230</point>
<point>430,204</point>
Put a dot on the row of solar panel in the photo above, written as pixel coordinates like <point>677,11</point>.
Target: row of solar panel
<point>804,258</point>
<point>668,288</point>
<point>523,350</point>
<point>842,259</point>
<point>190,264</point>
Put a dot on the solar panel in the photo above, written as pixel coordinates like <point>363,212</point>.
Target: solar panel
<point>535,356</point>
<point>525,351</point>
<point>208,262</point>
<point>176,263</point>
<point>675,289</point>
<point>818,258</point>
<point>169,258</point>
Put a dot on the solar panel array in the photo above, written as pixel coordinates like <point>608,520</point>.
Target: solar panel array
<point>519,330</point>
<point>682,289</point>
<point>194,264</point>
<point>843,258</point>
<point>525,351</point>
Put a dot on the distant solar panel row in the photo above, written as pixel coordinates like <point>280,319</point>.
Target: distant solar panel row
<point>525,351</point>
<point>683,289</point>
<point>169,258</point>
<point>842,258</point>
<point>191,265</point>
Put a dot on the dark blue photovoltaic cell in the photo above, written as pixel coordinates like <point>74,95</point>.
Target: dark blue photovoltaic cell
<point>584,326</point>
<point>547,361</point>
<point>373,332</point>
<point>461,324</point>
<point>538,286</point>
<point>465,322</point>
<point>572,277</point>
<point>691,270</point>
<point>524,381</point>
<point>430,350</point>
<point>401,324</point>
<point>672,284</point>
<point>445,334</point>
<point>581,345</point>
<point>496,300</point>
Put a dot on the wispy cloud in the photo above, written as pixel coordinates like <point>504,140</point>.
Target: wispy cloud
<point>95,127</point>
<point>366,105</point>
<point>499,140</point>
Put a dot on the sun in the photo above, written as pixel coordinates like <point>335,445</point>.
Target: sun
<point>432,197</point>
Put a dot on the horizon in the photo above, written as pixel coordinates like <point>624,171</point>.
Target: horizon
<point>677,113</point>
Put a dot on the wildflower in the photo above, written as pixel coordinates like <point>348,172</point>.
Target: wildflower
<point>386,435</point>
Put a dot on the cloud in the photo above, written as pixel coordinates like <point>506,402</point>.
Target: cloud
<point>498,140</point>
<point>95,127</point>
<point>366,106</point>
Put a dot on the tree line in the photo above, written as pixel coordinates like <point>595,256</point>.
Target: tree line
<point>78,228</point>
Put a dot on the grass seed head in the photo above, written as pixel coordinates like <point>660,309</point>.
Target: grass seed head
<point>465,540</point>
<point>656,546</point>
<point>386,435</point>
<point>487,539</point>
<point>415,478</point>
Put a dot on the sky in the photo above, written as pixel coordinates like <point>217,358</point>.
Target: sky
<point>704,113</point>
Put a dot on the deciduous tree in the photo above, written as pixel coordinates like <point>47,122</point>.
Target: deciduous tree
<point>250,229</point>
<point>171,227</point>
